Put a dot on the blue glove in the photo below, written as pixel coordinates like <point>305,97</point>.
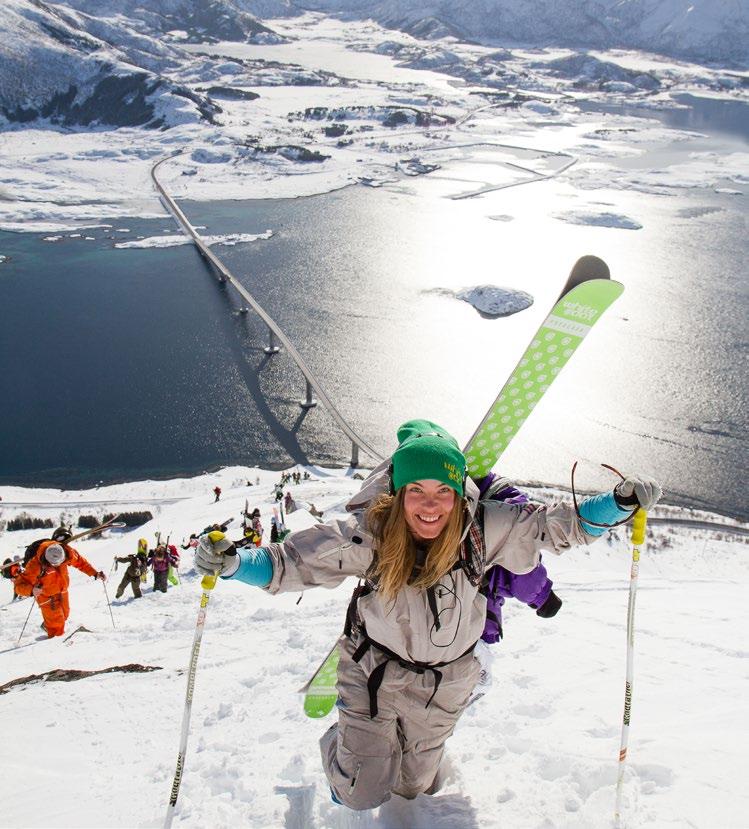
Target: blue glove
<point>634,492</point>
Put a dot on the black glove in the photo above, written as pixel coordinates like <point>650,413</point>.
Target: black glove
<point>637,491</point>
<point>550,607</point>
<point>100,575</point>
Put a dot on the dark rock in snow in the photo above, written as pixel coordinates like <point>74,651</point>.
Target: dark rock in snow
<point>71,674</point>
<point>231,93</point>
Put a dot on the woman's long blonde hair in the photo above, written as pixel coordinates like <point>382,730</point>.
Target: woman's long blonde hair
<point>396,547</point>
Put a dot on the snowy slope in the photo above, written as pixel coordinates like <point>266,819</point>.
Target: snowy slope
<point>706,30</point>
<point>539,750</point>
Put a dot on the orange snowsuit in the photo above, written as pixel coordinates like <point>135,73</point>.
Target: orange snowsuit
<point>54,581</point>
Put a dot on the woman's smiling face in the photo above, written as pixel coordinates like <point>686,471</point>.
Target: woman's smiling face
<point>427,505</point>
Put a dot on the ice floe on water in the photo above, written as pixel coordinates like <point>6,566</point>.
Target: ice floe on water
<point>592,219</point>
<point>180,239</point>
<point>698,170</point>
<point>490,300</point>
<point>697,212</point>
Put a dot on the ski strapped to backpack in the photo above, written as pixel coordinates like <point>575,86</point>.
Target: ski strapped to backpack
<point>588,292</point>
<point>33,548</point>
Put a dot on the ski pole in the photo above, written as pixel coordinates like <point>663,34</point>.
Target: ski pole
<point>208,583</point>
<point>638,538</point>
<point>28,616</point>
<point>109,604</point>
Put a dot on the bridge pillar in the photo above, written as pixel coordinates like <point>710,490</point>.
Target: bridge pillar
<point>309,402</point>
<point>272,347</point>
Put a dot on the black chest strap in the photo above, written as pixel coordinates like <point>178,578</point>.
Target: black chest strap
<point>378,674</point>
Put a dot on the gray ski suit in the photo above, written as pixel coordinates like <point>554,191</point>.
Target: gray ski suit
<point>392,726</point>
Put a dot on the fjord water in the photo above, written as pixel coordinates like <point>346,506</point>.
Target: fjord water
<point>123,364</point>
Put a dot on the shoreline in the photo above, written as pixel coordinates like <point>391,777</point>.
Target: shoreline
<point>182,485</point>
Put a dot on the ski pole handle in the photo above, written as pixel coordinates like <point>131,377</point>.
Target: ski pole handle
<point>209,582</point>
<point>639,524</point>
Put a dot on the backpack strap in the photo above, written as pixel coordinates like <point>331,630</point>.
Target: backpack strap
<point>473,549</point>
<point>366,585</point>
<point>353,623</point>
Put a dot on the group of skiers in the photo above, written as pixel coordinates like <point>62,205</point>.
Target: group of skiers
<point>163,560</point>
<point>295,477</point>
<point>43,574</point>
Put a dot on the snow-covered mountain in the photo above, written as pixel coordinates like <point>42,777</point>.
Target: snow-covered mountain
<point>701,30</point>
<point>200,20</point>
<point>91,63</point>
<point>121,62</point>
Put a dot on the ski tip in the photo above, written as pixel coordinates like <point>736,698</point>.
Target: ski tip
<point>586,268</point>
<point>590,267</point>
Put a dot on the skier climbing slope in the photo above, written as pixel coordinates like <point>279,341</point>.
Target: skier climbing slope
<point>407,667</point>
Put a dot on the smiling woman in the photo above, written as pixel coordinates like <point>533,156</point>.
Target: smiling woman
<point>421,539</point>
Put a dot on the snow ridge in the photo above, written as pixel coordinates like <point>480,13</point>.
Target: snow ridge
<point>702,30</point>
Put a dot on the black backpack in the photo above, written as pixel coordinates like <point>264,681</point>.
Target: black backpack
<point>32,550</point>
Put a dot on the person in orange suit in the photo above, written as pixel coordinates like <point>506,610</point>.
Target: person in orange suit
<point>46,579</point>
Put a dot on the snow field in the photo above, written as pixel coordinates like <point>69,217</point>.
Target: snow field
<point>539,750</point>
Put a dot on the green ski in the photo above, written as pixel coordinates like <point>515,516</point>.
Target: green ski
<point>587,294</point>
<point>579,307</point>
<point>320,692</point>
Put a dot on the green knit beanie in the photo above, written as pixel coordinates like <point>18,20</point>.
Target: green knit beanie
<point>427,452</point>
